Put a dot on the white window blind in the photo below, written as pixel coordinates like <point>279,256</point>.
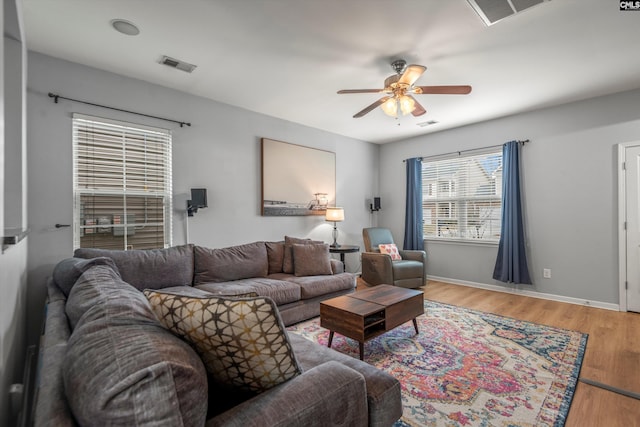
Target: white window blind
<point>122,185</point>
<point>461,197</point>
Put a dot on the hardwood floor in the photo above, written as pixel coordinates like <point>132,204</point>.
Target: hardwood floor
<point>612,356</point>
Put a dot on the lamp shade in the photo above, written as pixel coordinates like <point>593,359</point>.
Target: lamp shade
<point>390,107</point>
<point>407,104</point>
<point>334,214</point>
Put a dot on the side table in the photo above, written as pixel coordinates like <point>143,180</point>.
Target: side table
<point>344,249</point>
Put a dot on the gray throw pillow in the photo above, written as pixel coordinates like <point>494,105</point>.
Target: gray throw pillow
<point>311,260</point>
<point>287,263</point>
<point>275,256</point>
<point>232,263</point>
<point>122,367</point>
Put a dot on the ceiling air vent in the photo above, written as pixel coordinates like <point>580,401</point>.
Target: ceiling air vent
<point>492,11</point>
<point>176,63</point>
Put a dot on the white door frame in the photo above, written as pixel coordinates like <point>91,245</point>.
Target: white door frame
<point>622,234</point>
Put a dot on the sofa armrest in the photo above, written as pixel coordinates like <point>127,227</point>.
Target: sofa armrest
<point>50,405</point>
<point>337,266</point>
<point>377,268</point>
<point>329,394</point>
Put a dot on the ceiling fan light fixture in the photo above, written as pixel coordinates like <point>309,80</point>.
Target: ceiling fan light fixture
<point>390,107</point>
<point>399,90</point>
<point>407,104</point>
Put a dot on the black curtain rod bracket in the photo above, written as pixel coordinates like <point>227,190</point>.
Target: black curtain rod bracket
<point>55,97</point>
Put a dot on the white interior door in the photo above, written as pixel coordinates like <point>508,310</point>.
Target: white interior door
<point>632,215</point>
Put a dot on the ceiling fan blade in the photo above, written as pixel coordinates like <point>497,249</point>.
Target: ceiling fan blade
<point>343,91</point>
<point>371,107</point>
<point>411,74</point>
<point>419,110</point>
<point>443,90</point>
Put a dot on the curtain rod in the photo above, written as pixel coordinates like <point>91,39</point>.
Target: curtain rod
<point>55,97</point>
<point>524,141</point>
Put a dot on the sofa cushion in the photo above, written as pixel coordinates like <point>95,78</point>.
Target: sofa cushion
<point>328,395</point>
<point>121,366</point>
<point>407,269</point>
<point>275,256</point>
<point>280,291</point>
<point>149,268</point>
<point>189,291</point>
<point>232,263</point>
<point>287,262</point>
<point>337,266</point>
<point>242,341</point>
<point>315,286</point>
<point>67,271</point>
<point>311,260</point>
<point>383,390</point>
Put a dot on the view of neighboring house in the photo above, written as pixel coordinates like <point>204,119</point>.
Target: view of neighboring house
<point>462,197</point>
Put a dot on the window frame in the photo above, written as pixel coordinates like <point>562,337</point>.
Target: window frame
<point>156,188</point>
<point>434,224</point>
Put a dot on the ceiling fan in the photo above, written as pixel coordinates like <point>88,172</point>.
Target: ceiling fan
<point>399,91</point>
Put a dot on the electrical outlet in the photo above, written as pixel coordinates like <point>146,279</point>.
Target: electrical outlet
<point>546,273</point>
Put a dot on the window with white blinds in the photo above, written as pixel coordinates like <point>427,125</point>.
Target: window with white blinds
<point>461,197</point>
<point>121,185</point>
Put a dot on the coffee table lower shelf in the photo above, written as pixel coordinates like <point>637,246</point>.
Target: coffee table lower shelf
<point>367,314</point>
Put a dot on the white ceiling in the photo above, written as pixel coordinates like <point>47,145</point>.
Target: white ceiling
<point>287,58</point>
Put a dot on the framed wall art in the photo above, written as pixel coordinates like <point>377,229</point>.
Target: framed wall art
<point>296,180</point>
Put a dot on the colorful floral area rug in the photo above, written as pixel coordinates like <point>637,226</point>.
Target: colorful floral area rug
<point>468,368</point>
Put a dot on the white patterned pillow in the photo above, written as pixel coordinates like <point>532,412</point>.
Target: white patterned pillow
<point>390,249</point>
<point>242,341</point>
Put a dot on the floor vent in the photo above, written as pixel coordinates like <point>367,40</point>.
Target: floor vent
<point>492,11</point>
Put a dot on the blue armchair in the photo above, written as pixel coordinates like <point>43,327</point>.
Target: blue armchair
<point>378,268</point>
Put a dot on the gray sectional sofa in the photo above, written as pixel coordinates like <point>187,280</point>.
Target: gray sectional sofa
<point>106,359</point>
<point>266,268</point>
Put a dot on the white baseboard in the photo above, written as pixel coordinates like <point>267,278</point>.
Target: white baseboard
<point>519,290</point>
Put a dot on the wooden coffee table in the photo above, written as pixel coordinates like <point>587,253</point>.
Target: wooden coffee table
<point>365,314</point>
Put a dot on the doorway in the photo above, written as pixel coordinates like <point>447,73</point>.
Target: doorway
<point>629,225</point>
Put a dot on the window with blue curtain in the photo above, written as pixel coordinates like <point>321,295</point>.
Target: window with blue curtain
<point>462,196</point>
<point>413,234</point>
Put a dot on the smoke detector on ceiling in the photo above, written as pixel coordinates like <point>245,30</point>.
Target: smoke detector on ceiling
<point>492,11</point>
<point>125,27</point>
<point>176,63</point>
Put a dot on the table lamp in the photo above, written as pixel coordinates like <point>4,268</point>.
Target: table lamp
<point>335,214</point>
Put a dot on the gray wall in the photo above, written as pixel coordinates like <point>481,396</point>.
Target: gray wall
<point>13,258</point>
<point>220,152</point>
<point>570,194</point>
